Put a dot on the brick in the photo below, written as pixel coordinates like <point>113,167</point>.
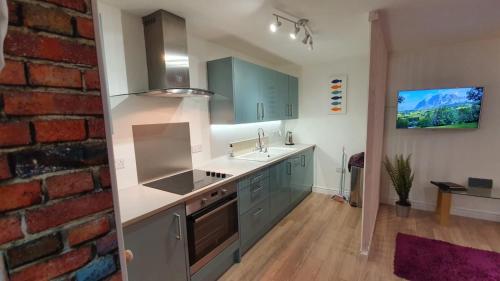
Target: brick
<point>47,19</point>
<point>88,231</point>
<point>5,171</point>
<point>92,81</point>
<point>97,269</point>
<point>55,267</point>
<point>67,210</point>
<point>85,27</point>
<point>14,12</point>
<point>78,5</point>
<point>69,184</point>
<point>49,159</point>
<point>107,244</point>
<point>14,133</point>
<point>37,103</point>
<point>11,229</point>
<point>60,130</point>
<point>96,128</point>
<point>105,177</point>
<point>54,76</point>
<point>19,195</point>
<point>13,73</point>
<point>34,250</point>
<point>32,45</point>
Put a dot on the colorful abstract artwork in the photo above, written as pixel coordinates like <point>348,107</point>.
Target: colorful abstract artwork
<point>337,94</point>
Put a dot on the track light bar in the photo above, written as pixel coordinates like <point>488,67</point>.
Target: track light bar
<point>297,27</point>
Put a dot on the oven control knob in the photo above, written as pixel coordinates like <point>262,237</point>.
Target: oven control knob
<point>213,174</point>
<point>207,173</point>
<point>223,175</point>
<point>217,175</point>
<point>204,201</point>
<point>223,191</point>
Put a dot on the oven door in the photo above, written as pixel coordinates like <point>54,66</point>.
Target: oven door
<point>211,230</point>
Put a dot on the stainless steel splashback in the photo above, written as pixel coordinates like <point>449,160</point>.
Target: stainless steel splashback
<point>161,150</point>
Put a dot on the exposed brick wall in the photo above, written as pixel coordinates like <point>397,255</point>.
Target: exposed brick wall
<point>56,207</point>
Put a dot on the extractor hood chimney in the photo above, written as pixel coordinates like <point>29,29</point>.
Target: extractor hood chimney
<point>167,57</point>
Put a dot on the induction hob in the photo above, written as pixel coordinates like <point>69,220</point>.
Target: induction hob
<point>187,182</point>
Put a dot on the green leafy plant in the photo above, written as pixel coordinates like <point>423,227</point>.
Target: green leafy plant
<point>401,176</point>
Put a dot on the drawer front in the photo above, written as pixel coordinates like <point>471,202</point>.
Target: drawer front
<point>252,194</point>
<point>255,177</point>
<point>253,224</point>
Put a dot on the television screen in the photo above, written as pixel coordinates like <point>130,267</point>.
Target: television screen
<point>440,108</point>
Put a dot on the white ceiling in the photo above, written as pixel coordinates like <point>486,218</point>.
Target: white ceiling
<point>340,27</point>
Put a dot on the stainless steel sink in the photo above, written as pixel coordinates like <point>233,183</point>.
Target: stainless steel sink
<point>271,154</point>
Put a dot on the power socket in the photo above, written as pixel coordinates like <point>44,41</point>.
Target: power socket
<point>196,148</point>
<point>119,163</point>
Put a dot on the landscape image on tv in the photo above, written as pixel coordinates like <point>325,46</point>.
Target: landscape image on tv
<point>439,108</point>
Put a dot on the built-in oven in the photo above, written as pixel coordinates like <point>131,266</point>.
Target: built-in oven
<point>212,224</point>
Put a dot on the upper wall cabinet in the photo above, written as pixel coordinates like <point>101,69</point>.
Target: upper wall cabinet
<point>249,93</point>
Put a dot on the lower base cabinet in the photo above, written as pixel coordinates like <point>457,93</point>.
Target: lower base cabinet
<point>288,183</point>
<point>159,246</point>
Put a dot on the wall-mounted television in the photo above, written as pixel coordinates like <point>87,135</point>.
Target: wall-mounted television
<point>455,108</point>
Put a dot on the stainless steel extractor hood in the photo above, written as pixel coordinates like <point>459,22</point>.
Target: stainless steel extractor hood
<point>167,57</point>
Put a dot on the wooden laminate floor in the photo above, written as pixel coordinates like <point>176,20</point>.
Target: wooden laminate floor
<point>320,239</point>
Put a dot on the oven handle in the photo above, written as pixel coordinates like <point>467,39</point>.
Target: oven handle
<point>179,227</point>
<point>215,210</point>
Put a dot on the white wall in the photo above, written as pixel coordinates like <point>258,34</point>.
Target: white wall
<point>114,53</point>
<point>450,155</point>
<point>131,67</point>
<point>331,132</point>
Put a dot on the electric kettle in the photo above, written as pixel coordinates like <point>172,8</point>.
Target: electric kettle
<point>289,138</point>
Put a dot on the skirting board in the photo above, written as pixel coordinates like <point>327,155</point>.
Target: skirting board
<point>463,212</point>
<point>325,190</point>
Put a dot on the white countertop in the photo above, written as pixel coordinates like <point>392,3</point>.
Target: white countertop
<point>139,202</point>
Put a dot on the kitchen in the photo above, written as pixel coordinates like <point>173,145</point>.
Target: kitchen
<point>215,171</point>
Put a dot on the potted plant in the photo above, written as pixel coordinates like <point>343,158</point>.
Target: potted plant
<point>402,178</point>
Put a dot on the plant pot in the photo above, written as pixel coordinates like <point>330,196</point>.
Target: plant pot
<point>403,210</point>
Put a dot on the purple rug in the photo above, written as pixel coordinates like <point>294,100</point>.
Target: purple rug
<point>422,259</point>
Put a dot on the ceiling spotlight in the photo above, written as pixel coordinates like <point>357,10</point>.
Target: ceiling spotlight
<point>275,25</point>
<point>293,35</point>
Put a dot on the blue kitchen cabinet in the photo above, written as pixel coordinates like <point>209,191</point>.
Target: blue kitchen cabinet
<point>293,98</point>
<point>302,175</point>
<point>254,208</point>
<point>159,246</point>
<point>274,98</point>
<point>266,196</point>
<point>296,173</point>
<point>249,93</point>
<point>280,192</point>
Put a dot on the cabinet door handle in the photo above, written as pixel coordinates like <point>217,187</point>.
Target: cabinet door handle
<point>259,188</point>
<point>259,211</point>
<point>256,178</point>
<point>291,110</point>
<point>262,104</point>
<point>258,112</point>
<point>179,226</point>
<point>289,168</point>
<point>303,160</point>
